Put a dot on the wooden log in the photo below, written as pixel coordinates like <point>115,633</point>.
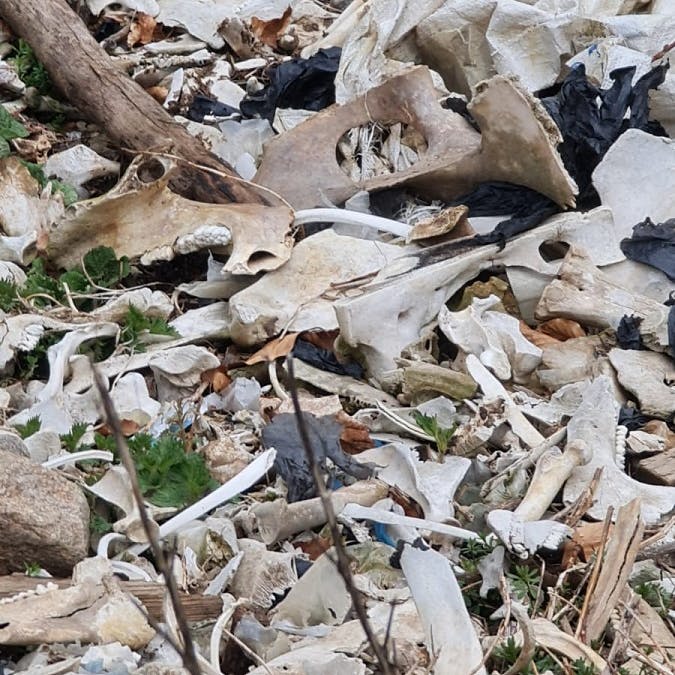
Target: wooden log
<point>88,78</point>
<point>196,607</point>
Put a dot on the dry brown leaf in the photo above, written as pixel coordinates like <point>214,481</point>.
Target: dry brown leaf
<point>536,337</point>
<point>217,378</point>
<point>314,547</point>
<point>562,329</point>
<point>355,437</point>
<point>321,339</point>
<point>275,349</point>
<point>584,543</point>
<point>268,31</point>
<point>141,30</point>
<point>158,93</point>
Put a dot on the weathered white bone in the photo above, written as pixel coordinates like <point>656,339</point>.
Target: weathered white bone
<point>378,515</point>
<point>594,423</point>
<point>278,520</point>
<point>552,470</point>
<point>525,538</point>
<point>494,337</point>
<point>172,224</point>
<point>450,635</point>
<point>645,374</point>
<point>393,298</point>
<point>77,165</point>
<point>86,612</point>
<point>432,485</point>
<point>585,294</point>
<point>493,388</point>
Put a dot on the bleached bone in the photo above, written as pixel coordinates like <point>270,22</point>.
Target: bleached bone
<point>379,515</point>
<point>585,294</point>
<point>494,337</point>
<point>595,423</point>
<point>86,612</point>
<point>493,388</point>
<point>278,520</point>
<point>450,635</point>
<point>431,484</point>
<point>409,292</point>
<point>644,374</point>
<point>552,470</point>
<point>524,538</point>
<point>171,225</point>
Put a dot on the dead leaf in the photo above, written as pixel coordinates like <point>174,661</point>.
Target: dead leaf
<point>158,93</point>
<point>274,349</point>
<point>321,339</point>
<point>217,378</point>
<point>536,337</point>
<point>314,547</point>
<point>355,437</point>
<point>584,543</point>
<point>141,30</point>
<point>562,329</point>
<point>268,31</point>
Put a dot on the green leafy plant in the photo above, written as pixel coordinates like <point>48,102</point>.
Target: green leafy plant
<point>32,569</point>
<point>525,582</point>
<point>71,440</point>
<point>105,442</point>
<point>29,69</point>
<point>9,129</point>
<point>9,295</point>
<point>659,598</point>
<point>32,426</point>
<point>581,667</point>
<point>168,475</point>
<point>68,191</point>
<point>441,435</point>
<point>136,324</point>
<point>29,364</point>
<point>506,654</point>
<point>99,525</point>
<point>40,286</point>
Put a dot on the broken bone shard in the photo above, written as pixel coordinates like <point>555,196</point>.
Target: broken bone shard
<point>409,292</point>
<point>649,376</point>
<point>517,144</point>
<point>494,337</point>
<point>292,297</point>
<point>523,537</point>
<point>278,520</point>
<point>171,225</point>
<point>594,424</point>
<point>552,470</point>
<point>637,158</point>
<point>585,294</point>
<point>450,635</point>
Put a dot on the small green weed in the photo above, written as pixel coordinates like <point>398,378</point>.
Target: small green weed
<point>71,440</point>
<point>441,435</point>
<point>9,129</point>
<point>136,324</point>
<point>31,72</point>
<point>525,582</point>
<point>31,427</point>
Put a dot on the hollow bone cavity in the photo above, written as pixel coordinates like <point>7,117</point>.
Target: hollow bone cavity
<point>517,144</point>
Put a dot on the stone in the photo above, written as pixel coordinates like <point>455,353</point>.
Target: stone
<point>45,518</point>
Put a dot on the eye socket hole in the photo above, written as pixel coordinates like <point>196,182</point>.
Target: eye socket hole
<point>150,171</point>
<point>552,250</point>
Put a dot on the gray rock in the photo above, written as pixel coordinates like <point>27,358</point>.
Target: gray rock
<point>13,443</point>
<point>44,518</point>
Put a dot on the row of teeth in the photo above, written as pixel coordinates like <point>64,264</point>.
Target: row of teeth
<point>40,589</point>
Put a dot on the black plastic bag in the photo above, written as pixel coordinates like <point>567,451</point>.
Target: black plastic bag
<point>628,332</point>
<point>203,105</point>
<point>653,245</point>
<point>307,84</point>
<point>589,129</point>
<point>325,360</point>
<point>291,460</point>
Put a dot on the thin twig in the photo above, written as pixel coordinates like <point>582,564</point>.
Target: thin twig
<point>342,562</point>
<point>187,652</point>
